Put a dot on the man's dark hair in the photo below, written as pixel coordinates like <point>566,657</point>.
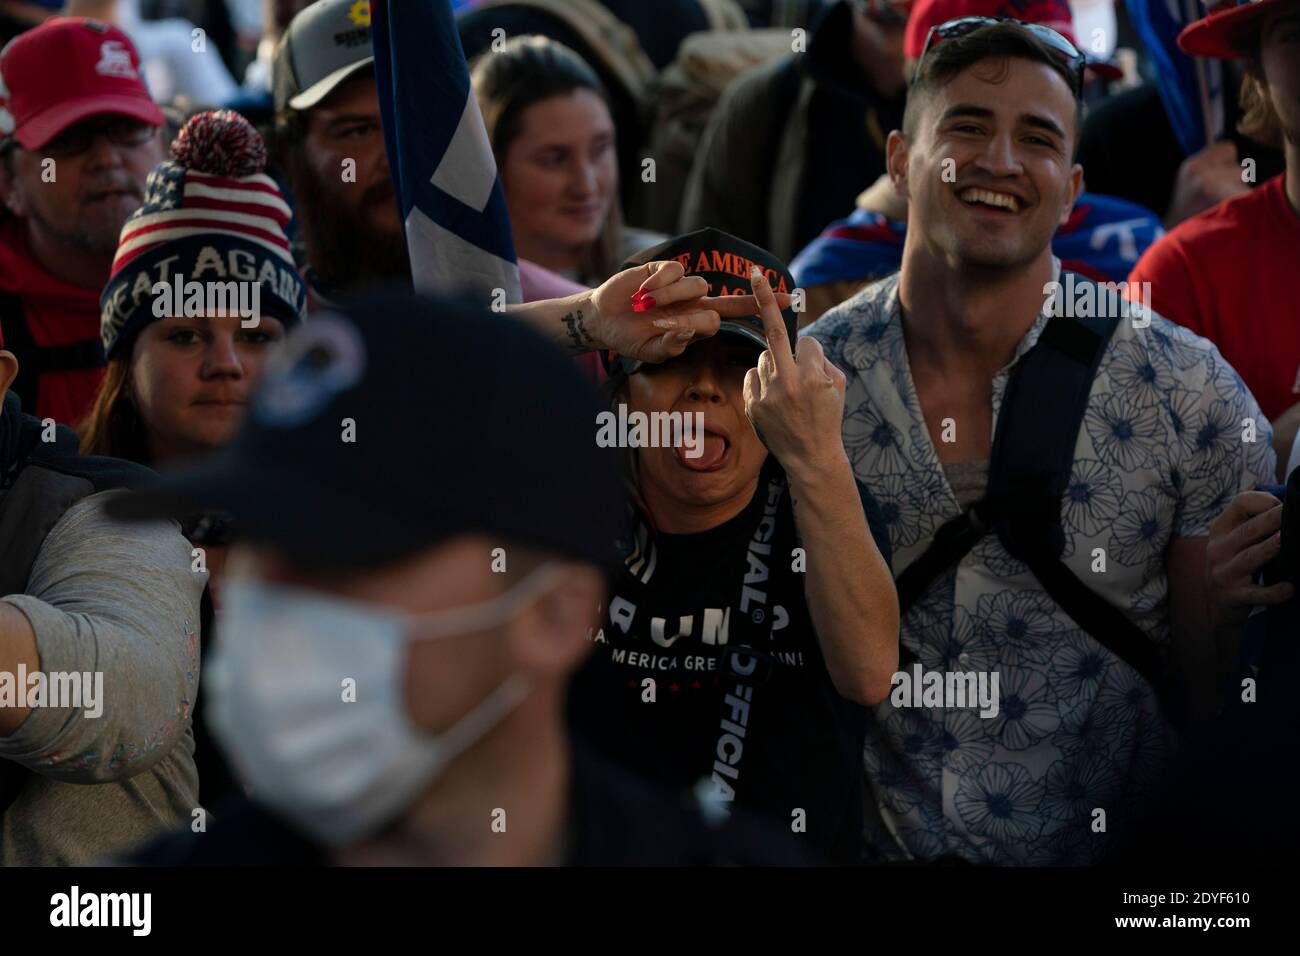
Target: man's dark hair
<point>946,59</point>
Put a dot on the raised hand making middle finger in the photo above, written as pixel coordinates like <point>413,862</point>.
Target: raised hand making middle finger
<point>795,400</point>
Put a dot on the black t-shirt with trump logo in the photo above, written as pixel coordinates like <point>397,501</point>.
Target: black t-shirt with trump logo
<point>706,675</point>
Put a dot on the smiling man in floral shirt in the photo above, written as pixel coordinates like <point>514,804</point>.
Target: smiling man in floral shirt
<point>1170,434</point>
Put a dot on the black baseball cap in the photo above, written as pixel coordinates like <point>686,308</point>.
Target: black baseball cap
<point>398,421</point>
<point>724,261</point>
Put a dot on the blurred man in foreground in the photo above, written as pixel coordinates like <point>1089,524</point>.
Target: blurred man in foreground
<point>398,634</point>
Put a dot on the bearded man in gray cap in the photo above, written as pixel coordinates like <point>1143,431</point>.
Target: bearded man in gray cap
<point>330,142</point>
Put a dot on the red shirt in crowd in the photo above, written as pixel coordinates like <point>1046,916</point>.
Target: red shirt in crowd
<point>1229,274</point>
<point>48,325</point>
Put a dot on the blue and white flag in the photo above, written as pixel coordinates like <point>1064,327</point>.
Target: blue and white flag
<point>457,225</point>
<point>1191,88</point>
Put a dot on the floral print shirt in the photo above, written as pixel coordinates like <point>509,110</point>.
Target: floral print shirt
<point>1165,443</point>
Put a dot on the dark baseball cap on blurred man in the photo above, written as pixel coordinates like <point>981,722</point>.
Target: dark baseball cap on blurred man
<point>64,71</point>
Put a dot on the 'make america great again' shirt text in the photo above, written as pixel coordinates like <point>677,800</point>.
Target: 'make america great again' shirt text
<point>742,705</point>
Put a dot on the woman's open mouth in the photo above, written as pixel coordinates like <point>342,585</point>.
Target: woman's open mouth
<point>710,449</point>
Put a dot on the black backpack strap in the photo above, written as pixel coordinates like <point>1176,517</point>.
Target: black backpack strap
<point>1032,458</point>
<point>1033,446</point>
<point>950,544</point>
<point>1033,452</point>
<point>1033,455</point>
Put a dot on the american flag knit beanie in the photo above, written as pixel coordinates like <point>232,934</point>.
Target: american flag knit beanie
<point>211,228</point>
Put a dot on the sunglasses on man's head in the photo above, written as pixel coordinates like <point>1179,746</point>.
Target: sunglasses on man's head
<point>964,26</point>
<point>119,130</point>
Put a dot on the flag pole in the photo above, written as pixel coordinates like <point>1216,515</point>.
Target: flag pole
<point>1192,13</point>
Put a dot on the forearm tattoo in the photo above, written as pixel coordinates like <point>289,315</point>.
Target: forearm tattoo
<point>580,339</point>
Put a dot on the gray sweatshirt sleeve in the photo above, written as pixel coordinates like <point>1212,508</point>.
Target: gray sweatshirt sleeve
<point>119,600</point>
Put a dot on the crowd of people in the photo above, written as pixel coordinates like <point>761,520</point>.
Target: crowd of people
<point>982,395</point>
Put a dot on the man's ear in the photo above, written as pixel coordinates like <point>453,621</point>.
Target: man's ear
<point>896,162</point>
<point>550,636</point>
<point>8,371</point>
<point>1076,189</point>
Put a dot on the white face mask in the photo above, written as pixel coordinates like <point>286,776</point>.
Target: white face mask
<point>340,758</point>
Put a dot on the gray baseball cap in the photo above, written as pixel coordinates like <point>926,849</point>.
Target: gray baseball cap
<point>324,44</point>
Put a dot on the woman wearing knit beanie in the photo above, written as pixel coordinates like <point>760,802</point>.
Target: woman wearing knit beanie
<point>181,365</point>
<point>184,348</point>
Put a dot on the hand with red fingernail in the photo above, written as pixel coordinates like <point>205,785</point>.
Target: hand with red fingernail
<point>650,312</point>
<point>654,311</point>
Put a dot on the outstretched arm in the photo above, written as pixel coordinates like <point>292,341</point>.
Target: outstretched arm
<point>650,312</point>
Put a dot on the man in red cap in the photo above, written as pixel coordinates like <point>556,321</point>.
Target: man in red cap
<point>1227,274</point>
<point>80,134</point>
<point>867,244</point>
<point>1055,14</point>
<point>1153,449</point>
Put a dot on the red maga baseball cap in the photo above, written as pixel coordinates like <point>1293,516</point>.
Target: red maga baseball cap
<point>1050,13</point>
<point>65,70</point>
<point>1222,34</point>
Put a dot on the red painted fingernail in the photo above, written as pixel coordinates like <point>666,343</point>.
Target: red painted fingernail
<point>640,294</point>
<point>647,303</point>
<point>639,307</point>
